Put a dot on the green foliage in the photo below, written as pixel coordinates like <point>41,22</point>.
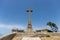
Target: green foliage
<point>53,26</point>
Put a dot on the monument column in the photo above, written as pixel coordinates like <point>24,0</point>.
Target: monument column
<point>29,27</point>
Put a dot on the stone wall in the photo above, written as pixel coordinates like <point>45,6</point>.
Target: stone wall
<point>8,37</point>
<point>50,38</point>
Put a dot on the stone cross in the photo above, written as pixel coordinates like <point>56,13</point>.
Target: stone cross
<point>29,28</point>
<point>29,19</point>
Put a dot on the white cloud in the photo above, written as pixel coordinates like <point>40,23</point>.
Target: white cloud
<point>11,26</point>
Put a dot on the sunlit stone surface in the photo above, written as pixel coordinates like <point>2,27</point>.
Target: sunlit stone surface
<point>31,38</point>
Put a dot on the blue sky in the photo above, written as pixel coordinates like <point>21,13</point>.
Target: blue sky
<point>13,14</point>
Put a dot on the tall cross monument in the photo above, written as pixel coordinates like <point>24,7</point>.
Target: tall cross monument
<point>29,27</point>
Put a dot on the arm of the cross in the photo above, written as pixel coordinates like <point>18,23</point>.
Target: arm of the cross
<point>29,10</point>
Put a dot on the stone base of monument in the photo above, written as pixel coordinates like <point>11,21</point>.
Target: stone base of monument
<point>31,38</point>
